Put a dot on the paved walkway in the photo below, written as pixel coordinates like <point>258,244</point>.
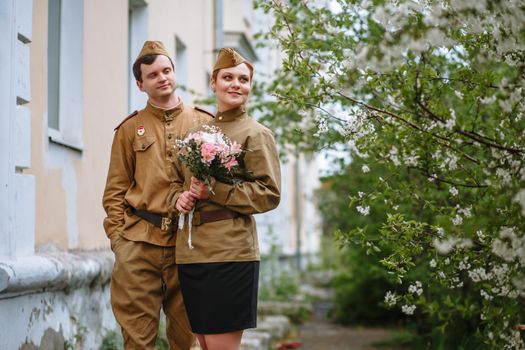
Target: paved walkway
<point>321,334</point>
<point>317,335</point>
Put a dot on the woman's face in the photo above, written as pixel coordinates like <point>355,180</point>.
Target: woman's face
<point>232,87</point>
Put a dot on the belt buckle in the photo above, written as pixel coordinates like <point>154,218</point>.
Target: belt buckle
<point>165,224</point>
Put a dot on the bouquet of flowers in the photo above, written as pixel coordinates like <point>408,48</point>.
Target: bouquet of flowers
<point>209,153</point>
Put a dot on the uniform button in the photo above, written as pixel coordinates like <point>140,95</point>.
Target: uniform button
<point>143,146</point>
<point>169,136</point>
<point>169,153</point>
<point>168,124</point>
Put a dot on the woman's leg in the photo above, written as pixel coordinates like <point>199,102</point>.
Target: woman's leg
<point>224,341</point>
<point>202,341</point>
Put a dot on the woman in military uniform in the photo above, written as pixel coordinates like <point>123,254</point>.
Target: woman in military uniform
<point>219,272</point>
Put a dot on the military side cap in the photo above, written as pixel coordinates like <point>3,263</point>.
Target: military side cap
<point>153,48</point>
<point>228,57</point>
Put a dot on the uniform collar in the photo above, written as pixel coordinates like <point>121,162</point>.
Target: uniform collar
<point>165,114</point>
<point>230,114</point>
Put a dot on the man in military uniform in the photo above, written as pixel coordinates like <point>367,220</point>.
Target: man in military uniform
<point>138,223</point>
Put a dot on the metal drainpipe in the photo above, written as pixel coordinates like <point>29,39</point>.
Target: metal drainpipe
<point>219,28</point>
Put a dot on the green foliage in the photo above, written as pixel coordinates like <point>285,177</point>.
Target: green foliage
<point>282,287</point>
<point>78,337</point>
<point>400,338</point>
<point>162,344</point>
<point>361,282</point>
<point>431,93</point>
<point>277,283</point>
<point>112,341</point>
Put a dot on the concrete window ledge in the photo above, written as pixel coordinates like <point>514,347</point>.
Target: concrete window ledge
<point>54,271</point>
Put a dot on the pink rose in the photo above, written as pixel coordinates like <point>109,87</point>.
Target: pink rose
<point>231,163</point>
<point>208,152</point>
<point>235,148</point>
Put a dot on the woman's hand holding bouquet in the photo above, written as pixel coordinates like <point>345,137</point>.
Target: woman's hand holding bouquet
<point>210,156</point>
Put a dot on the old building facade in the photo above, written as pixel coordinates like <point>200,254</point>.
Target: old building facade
<point>65,83</point>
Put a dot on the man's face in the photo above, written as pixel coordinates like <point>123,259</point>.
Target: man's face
<point>158,78</point>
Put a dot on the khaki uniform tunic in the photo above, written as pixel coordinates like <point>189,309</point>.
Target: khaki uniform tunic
<point>233,239</point>
<point>141,170</point>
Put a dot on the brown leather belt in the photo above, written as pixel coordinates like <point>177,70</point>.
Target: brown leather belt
<point>162,222</point>
<point>203,217</point>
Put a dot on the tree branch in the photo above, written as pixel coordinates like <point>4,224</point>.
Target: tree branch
<point>435,177</point>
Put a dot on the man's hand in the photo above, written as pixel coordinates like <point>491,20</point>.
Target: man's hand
<point>185,202</point>
<point>198,189</point>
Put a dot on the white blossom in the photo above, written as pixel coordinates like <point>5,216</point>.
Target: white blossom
<point>451,122</point>
<point>479,274</point>
<point>481,236</point>
<point>485,295</point>
<point>363,210</point>
<point>411,160</point>
<point>452,162</point>
<point>488,100</point>
<point>416,288</point>
<point>408,309</point>
<point>453,191</point>
<point>322,125</point>
<point>467,212</point>
<point>464,264</point>
<point>520,199</point>
<point>390,298</point>
<point>509,246</point>
<point>504,175</point>
<point>457,220</point>
<point>447,245</point>
<point>365,169</point>
<point>393,155</point>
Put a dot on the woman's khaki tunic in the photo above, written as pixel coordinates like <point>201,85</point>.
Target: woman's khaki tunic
<point>233,239</point>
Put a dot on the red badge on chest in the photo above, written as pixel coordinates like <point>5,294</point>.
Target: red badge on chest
<point>141,130</point>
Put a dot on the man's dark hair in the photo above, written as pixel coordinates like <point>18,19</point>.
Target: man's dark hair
<point>147,60</point>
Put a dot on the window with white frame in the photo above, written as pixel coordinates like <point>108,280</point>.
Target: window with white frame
<point>247,8</point>
<point>137,30</point>
<point>65,80</point>
<point>181,69</point>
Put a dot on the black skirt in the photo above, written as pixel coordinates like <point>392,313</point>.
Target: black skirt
<point>220,297</point>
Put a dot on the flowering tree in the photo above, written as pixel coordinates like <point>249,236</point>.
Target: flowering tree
<point>434,90</point>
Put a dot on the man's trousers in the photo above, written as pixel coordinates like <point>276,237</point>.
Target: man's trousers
<point>144,279</point>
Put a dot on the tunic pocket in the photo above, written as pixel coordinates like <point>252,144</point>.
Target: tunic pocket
<point>143,143</point>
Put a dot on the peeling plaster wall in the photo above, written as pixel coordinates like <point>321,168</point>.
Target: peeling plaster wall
<point>64,314</point>
<point>48,299</point>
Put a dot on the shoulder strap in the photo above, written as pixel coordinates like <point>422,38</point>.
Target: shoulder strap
<point>200,109</point>
<point>128,117</point>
